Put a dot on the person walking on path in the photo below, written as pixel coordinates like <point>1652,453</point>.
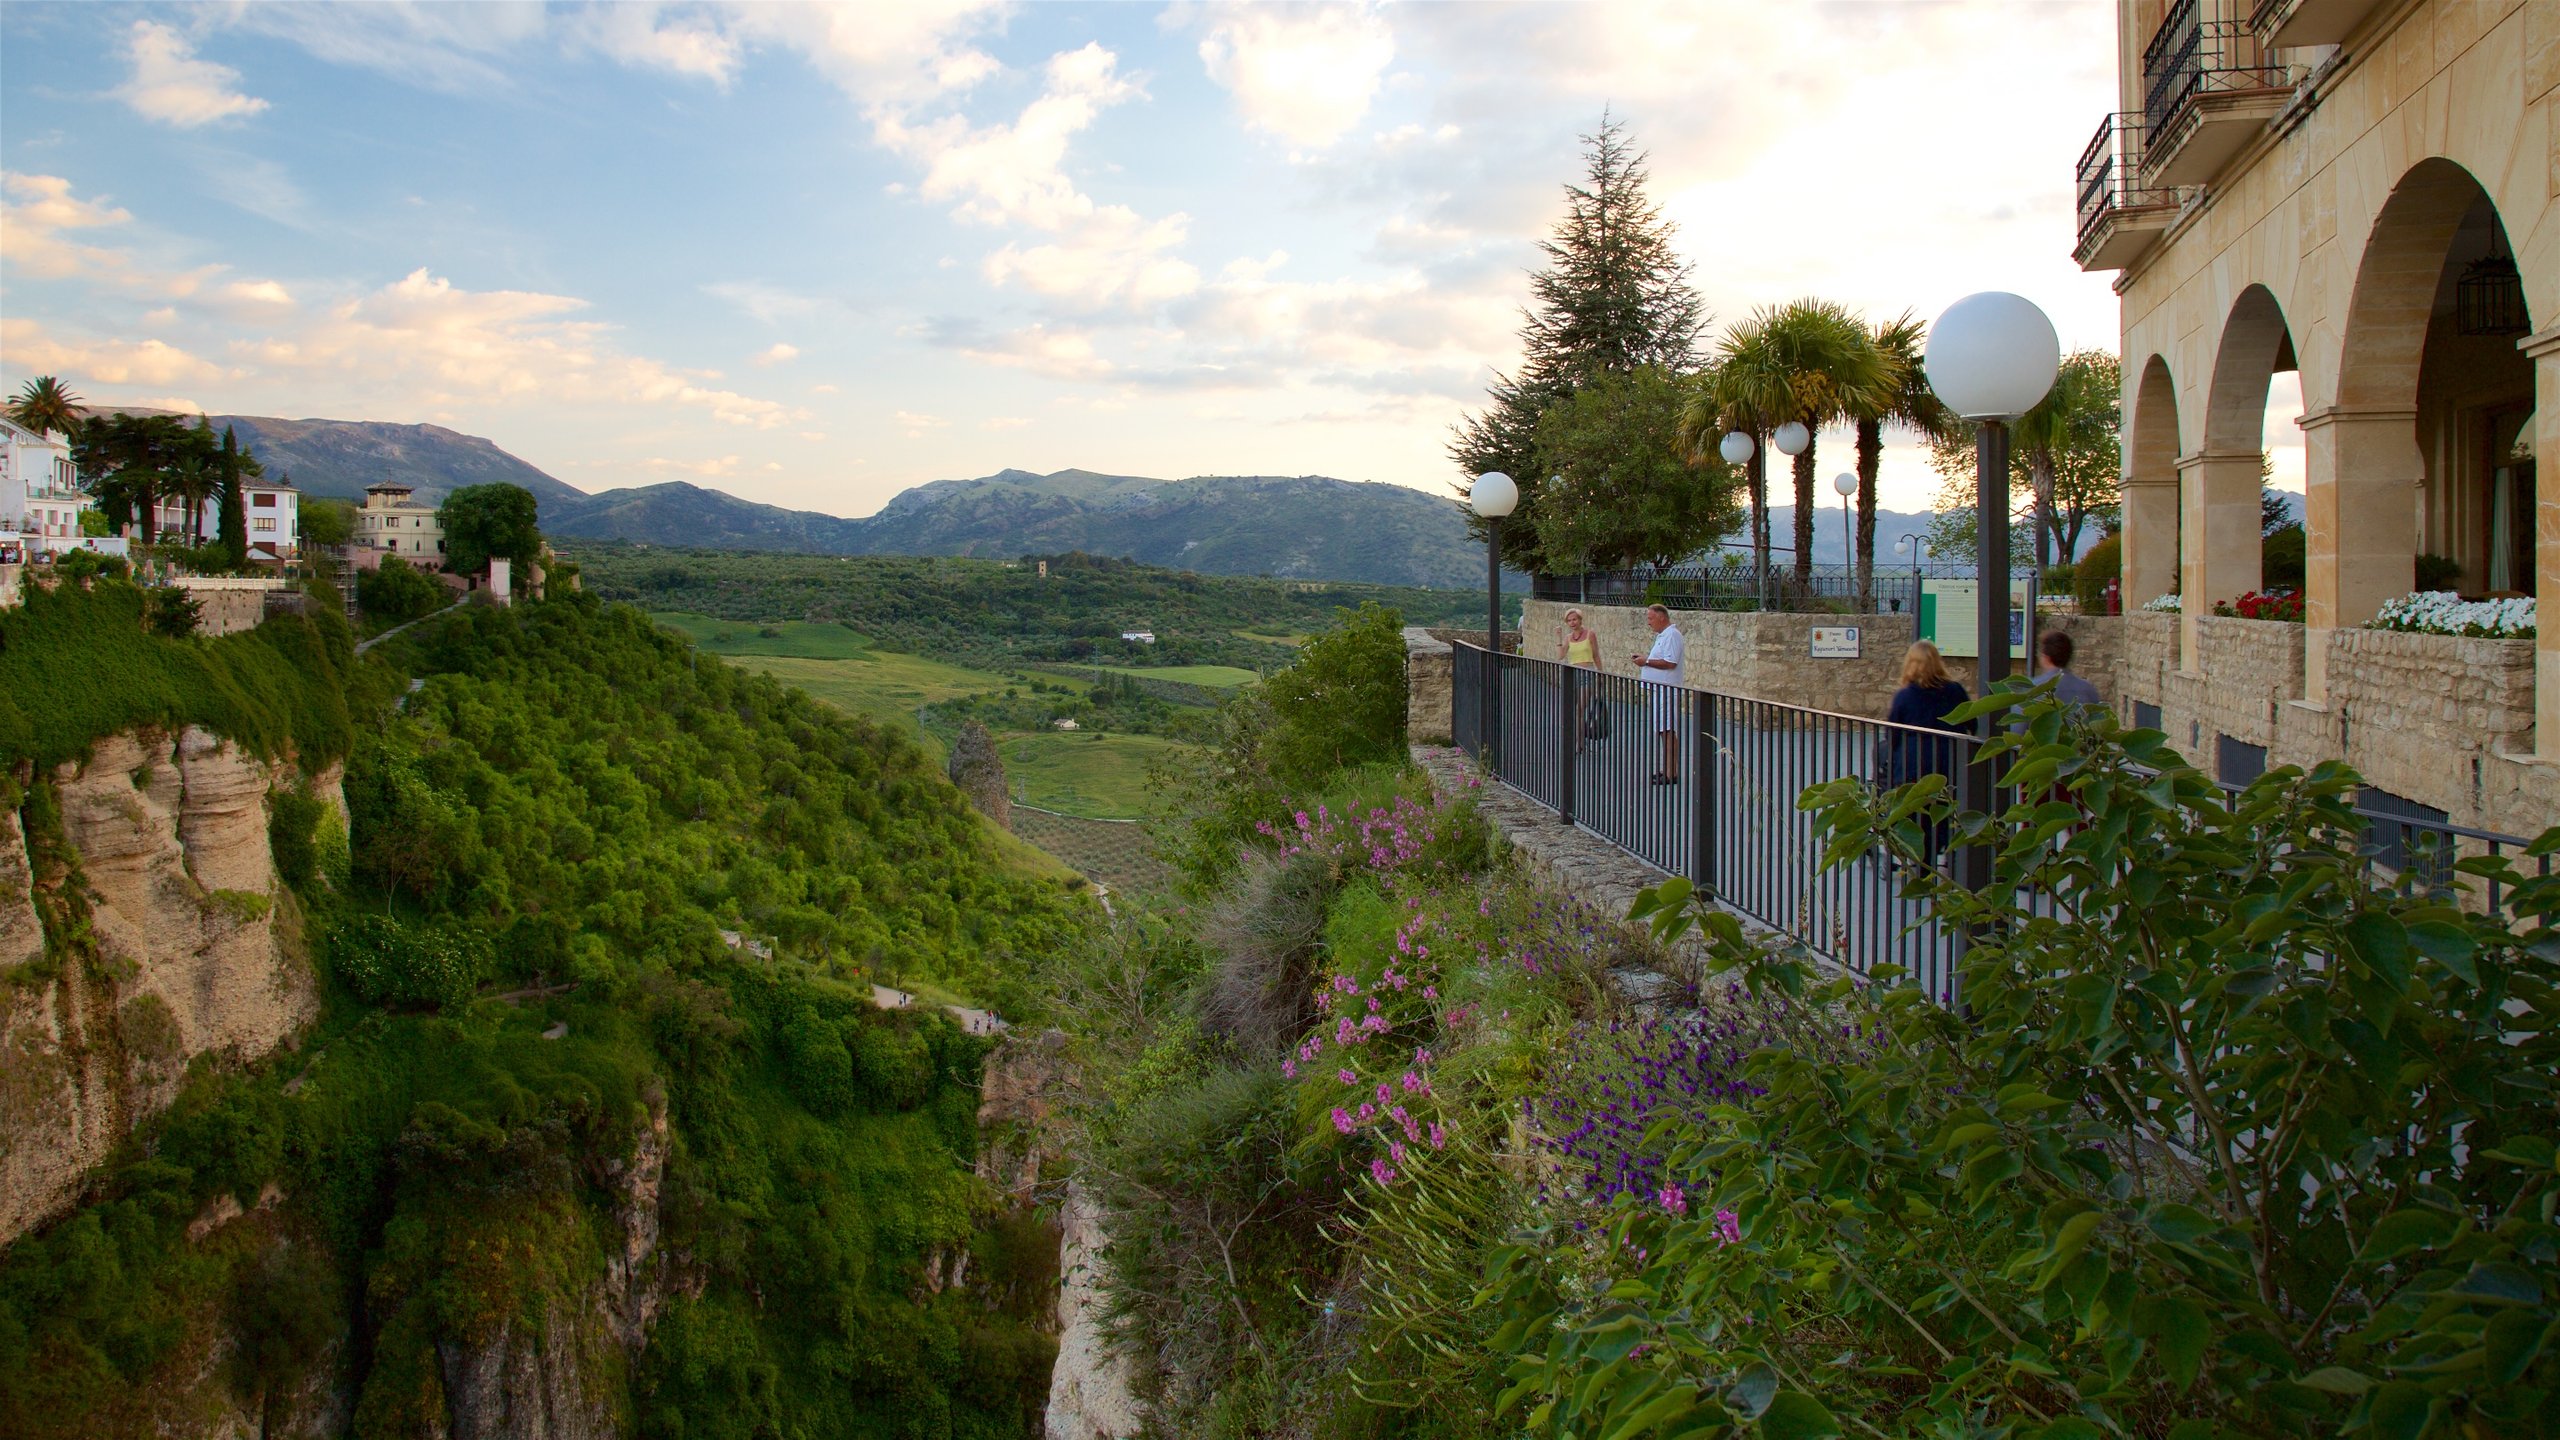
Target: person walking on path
<point>1928,692</point>
<point>1660,668</point>
<point>2053,668</point>
<point>1580,648</point>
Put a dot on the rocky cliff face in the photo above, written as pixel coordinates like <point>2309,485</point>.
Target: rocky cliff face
<point>141,925</point>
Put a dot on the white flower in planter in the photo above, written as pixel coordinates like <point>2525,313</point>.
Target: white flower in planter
<point>2442,612</point>
<point>2161,605</point>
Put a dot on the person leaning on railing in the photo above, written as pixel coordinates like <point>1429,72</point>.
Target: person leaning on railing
<point>1580,647</point>
<point>1660,669</point>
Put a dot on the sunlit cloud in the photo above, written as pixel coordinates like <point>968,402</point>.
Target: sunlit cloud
<point>171,85</point>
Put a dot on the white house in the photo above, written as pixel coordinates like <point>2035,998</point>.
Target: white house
<point>394,523</point>
<point>1139,637</point>
<point>274,511</point>
<point>40,498</point>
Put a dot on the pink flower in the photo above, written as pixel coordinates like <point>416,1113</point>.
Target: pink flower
<point>1670,1198</point>
<point>1430,992</point>
<point>1289,1069</point>
<point>1385,1095</point>
<point>1381,1172</point>
<point>1728,1228</point>
<point>1367,1109</point>
<point>1438,1135</point>
<point>1342,1120</point>
<point>1347,1077</point>
<point>1395,1151</point>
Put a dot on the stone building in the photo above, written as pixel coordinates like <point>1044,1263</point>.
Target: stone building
<point>2360,192</point>
<point>979,772</point>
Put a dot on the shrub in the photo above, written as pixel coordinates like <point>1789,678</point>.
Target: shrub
<point>2090,577</point>
<point>293,824</point>
<point>79,565</point>
<point>2283,558</point>
<point>2438,572</point>
<point>893,1062</point>
<point>2227,1136</point>
<point>2263,605</point>
<point>399,591</point>
<point>171,612</point>
<point>386,961</point>
<point>2442,612</point>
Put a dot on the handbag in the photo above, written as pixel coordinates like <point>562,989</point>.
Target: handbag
<point>1595,721</point>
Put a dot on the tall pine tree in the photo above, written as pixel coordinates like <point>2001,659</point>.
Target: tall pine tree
<point>237,469</point>
<point>1613,296</point>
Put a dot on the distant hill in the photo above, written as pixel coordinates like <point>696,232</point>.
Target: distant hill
<point>340,457</point>
<point>1308,527</point>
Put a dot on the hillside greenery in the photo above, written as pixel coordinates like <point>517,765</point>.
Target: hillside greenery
<point>527,992</point>
<point>990,614</point>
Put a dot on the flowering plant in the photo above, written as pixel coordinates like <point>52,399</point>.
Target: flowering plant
<point>2264,605</point>
<point>2442,612</point>
<point>1381,839</point>
<point>2162,604</point>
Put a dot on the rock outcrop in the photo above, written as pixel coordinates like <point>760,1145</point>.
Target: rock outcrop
<point>979,772</point>
<point>1089,1391</point>
<point>170,938</point>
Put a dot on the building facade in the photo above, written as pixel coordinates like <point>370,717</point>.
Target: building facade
<point>392,522</point>
<point>41,502</point>
<point>273,509</point>
<point>2360,192</point>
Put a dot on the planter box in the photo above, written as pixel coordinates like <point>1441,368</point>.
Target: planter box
<point>2445,693</point>
<point>2256,659</point>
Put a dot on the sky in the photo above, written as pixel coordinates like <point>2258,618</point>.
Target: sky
<point>813,254</point>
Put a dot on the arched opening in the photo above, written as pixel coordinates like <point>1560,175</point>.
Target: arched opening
<point>2221,484</point>
<point>2151,488</point>
<point>2428,461</point>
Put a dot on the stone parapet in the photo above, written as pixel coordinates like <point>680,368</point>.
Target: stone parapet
<point>1426,675</point>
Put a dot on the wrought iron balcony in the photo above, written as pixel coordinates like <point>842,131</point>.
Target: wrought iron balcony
<point>2208,90</point>
<point>2120,216</point>
<point>2290,24</point>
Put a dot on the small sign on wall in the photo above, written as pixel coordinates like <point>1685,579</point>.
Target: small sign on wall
<point>1835,642</point>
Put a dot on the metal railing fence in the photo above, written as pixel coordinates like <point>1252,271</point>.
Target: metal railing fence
<point>1588,745</point>
<point>1828,589</point>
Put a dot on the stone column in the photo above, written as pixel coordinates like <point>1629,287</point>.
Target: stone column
<point>2360,511</point>
<point>2150,539</point>
<point>2218,550</point>
<point>2544,348</point>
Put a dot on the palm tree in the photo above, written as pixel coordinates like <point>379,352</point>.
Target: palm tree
<point>45,406</point>
<point>2041,432</point>
<point>193,484</point>
<point>1907,401</point>
<point>1811,362</point>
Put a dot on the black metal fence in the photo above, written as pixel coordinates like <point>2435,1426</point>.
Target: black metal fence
<point>1716,802</point>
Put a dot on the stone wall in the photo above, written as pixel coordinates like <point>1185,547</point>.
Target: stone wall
<point>228,605</point>
<point>2444,720</point>
<point>1426,675</point>
<point>1769,655</point>
<point>192,948</point>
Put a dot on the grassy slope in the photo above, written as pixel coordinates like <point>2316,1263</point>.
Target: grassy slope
<point>1216,677</point>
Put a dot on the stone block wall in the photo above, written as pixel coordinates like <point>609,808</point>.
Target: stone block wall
<point>1769,655</point>
<point>2444,720</point>
<point>1426,674</point>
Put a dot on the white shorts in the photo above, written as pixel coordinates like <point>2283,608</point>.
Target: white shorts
<point>1666,708</point>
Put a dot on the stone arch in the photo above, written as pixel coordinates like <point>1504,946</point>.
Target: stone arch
<point>2256,343</point>
<point>2218,485</point>
<point>2396,282</point>
<point>2151,486</point>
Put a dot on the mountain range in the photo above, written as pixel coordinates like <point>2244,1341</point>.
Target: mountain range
<point>1288,526</point>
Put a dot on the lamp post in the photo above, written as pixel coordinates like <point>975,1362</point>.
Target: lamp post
<point>1791,440</point>
<point>1845,485</point>
<point>1990,358</point>
<point>1918,545</point>
<point>1738,448</point>
<point>1493,496</point>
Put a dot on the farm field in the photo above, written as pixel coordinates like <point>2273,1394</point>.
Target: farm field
<point>1088,773</point>
<point>747,637</point>
<point>1216,677</point>
<point>836,665</point>
<point>1118,856</point>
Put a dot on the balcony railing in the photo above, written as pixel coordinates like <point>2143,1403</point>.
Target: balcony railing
<point>2189,61</point>
<point>2110,175</point>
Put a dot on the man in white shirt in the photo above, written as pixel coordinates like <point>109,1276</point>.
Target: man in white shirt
<point>1660,667</point>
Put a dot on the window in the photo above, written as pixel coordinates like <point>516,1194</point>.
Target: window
<point>263,502</point>
<point>2146,716</point>
<point>2236,762</point>
<point>262,523</point>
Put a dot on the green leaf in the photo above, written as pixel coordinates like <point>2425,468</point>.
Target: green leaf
<point>2402,1231</point>
<point>1753,1392</point>
<point>2514,1339</point>
<point>2338,1380</point>
<point>2068,1242</point>
<point>2069,1427</point>
<point>2175,1324</point>
<point>2499,1283</point>
<point>2530,1151</point>
<point>2399,1410</point>
<point>2449,946</point>
<point>2025,1098</point>
<point>2180,1224</point>
<point>1794,1415</point>
<point>1668,1406</point>
<point>2381,943</point>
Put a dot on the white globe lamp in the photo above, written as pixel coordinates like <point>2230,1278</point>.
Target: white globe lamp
<point>1736,447</point>
<point>1494,495</point>
<point>1790,438</point>
<point>1992,356</point>
<point>1844,485</point>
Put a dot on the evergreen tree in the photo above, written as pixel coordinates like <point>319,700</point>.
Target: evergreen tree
<point>1613,296</point>
<point>238,468</point>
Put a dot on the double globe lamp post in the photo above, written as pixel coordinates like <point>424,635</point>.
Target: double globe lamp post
<point>1738,448</point>
<point>1990,358</point>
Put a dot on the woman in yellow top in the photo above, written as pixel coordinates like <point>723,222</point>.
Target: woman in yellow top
<point>1580,647</point>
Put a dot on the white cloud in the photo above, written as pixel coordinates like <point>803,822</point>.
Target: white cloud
<point>777,354</point>
<point>647,37</point>
<point>1004,422</point>
<point>101,362</point>
<point>258,292</point>
<point>916,423</point>
<point>35,212</point>
<point>170,85</point>
<point>1060,354</point>
<point>1307,74</point>
<point>822,389</point>
<point>767,304</point>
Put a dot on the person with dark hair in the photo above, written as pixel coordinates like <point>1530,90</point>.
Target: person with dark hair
<point>2053,668</point>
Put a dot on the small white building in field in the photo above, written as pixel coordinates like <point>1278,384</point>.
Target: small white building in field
<point>1139,637</point>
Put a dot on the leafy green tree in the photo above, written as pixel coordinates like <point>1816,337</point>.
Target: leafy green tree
<point>170,611</point>
<point>486,522</point>
<point>399,591</point>
<point>1810,362</point>
<point>326,522</point>
<point>1628,494</point>
<point>2075,442</point>
<point>46,407</point>
<point>131,461</point>
<point>1343,703</point>
<point>1613,296</point>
